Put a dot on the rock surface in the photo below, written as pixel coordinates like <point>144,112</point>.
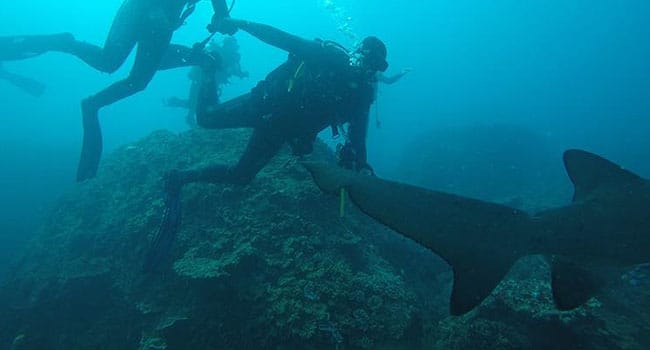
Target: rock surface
<point>267,266</point>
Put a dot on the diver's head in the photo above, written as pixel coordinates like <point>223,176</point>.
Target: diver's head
<point>372,54</point>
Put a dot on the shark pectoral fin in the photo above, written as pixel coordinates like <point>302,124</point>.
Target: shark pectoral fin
<point>573,283</point>
<point>475,279</point>
<point>329,178</point>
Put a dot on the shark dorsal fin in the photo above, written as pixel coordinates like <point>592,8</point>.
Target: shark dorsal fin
<point>589,172</point>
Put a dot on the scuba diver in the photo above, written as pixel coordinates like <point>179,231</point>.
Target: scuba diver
<point>320,85</point>
<point>228,52</point>
<point>145,23</point>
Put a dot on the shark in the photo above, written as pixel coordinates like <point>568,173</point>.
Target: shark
<point>589,242</point>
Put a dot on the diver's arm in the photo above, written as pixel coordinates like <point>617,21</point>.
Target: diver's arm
<point>278,38</point>
<point>382,78</point>
<point>220,9</point>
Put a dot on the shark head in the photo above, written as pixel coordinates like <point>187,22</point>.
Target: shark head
<point>607,226</point>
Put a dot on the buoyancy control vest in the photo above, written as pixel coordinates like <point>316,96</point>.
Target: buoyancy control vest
<point>323,87</point>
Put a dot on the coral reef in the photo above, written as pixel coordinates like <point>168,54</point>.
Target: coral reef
<point>270,265</point>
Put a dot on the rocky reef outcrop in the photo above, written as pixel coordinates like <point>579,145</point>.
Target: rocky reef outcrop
<point>270,265</point>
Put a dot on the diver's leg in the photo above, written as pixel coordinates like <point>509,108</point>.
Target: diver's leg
<point>263,145</point>
<point>120,42</point>
<point>243,111</point>
<point>130,21</point>
<point>239,112</point>
<point>147,59</point>
<point>183,56</point>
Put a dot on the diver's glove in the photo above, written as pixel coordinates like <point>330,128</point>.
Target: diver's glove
<point>347,158</point>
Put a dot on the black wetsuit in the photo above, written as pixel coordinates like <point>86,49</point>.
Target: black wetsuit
<point>149,24</point>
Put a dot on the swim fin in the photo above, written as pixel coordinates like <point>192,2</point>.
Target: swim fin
<point>26,46</point>
<point>91,149</point>
<point>164,240</point>
<point>33,87</point>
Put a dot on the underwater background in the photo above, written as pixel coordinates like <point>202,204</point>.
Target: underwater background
<point>498,89</point>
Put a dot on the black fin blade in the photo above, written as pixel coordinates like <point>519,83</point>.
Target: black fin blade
<point>572,284</point>
<point>163,242</point>
<point>589,171</point>
<point>91,148</point>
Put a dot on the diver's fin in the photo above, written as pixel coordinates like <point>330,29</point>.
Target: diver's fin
<point>33,87</point>
<point>27,46</point>
<point>573,283</point>
<point>91,149</point>
<point>589,171</point>
<point>164,240</point>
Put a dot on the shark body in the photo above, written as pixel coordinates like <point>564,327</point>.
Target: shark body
<point>605,229</point>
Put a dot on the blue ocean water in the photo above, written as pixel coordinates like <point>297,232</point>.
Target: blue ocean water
<point>575,73</point>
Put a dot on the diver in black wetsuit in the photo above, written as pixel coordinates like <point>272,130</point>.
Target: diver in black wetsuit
<point>320,85</point>
<point>147,23</point>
